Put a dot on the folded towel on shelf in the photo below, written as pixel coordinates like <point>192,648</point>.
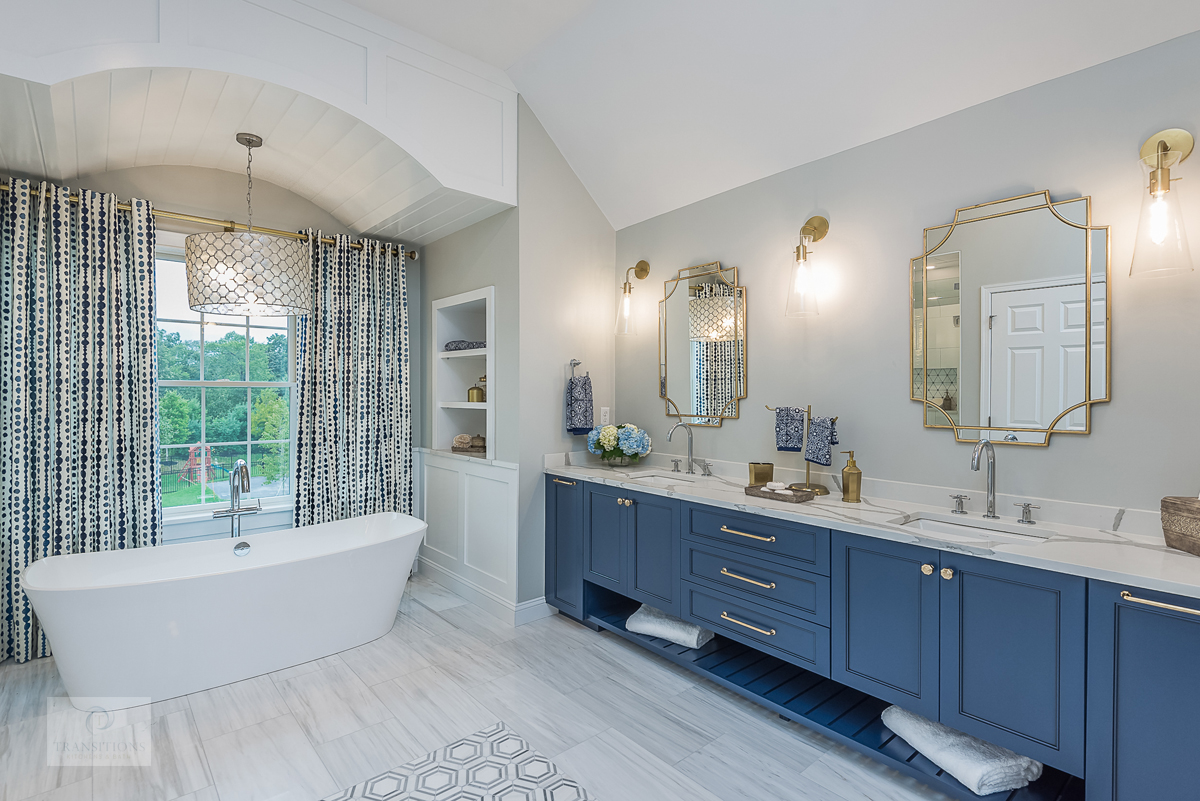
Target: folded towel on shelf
<point>789,428</point>
<point>464,344</point>
<point>579,405</point>
<point>822,436</point>
<point>655,623</point>
<point>984,768</point>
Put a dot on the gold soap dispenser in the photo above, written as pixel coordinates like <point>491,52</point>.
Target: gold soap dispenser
<point>851,481</point>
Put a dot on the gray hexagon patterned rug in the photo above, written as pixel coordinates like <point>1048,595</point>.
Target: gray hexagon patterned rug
<point>494,764</point>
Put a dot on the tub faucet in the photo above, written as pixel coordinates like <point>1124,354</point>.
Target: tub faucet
<point>239,482</point>
<point>691,471</point>
<point>980,447</point>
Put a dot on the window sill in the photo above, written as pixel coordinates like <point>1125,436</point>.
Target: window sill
<point>196,514</point>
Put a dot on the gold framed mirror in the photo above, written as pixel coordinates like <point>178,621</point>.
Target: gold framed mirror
<point>1010,309</point>
<point>702,344</point>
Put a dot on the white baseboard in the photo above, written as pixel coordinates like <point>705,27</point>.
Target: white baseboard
<point>516,614</point>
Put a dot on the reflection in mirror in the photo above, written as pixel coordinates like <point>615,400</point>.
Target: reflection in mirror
<point>1010,320</point>
<point>702,344</point>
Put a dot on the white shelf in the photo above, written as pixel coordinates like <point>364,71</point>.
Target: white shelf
<point>458,354</point>
<point>468,316</point>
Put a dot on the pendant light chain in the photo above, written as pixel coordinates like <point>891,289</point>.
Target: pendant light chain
<point>249,187</point>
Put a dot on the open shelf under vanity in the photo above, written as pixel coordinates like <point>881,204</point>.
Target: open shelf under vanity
<point>842,713</point>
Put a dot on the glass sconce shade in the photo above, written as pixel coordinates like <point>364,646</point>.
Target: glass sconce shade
<point>1161,248</point>
<point>626,322</point>
<point>248,273</point>
<point>802,283</point>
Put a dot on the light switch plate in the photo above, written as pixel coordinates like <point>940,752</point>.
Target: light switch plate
<point>604,415</point>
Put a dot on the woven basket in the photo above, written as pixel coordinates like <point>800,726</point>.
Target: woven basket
<point>1181,524</point>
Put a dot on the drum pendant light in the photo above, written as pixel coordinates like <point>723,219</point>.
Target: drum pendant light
<point>247,273</point>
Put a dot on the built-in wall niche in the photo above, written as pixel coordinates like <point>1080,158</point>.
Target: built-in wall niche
<point>469,317</point>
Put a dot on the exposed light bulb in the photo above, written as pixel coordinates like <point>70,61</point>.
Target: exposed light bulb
<point>1158,221</point>
<point>625,307</point>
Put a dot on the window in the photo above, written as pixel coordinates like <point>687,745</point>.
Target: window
<point>226,389</point>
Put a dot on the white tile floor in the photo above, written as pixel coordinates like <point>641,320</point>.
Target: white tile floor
<point>626,724</point>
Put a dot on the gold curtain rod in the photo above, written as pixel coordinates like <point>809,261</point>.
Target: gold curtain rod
<point>228,224</point>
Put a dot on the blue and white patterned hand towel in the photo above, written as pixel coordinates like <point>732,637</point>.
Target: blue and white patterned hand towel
<point>822,436</point>
<point>579,405</point>
<point>789,428</point>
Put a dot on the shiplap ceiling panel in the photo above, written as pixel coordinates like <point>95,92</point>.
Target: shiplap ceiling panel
<point>179,117</point>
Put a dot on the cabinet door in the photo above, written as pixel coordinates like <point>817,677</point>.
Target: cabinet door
<point>604,552</point>
<point>1014,656</point>
<point>1143,697</point>
<point>564,545</point>
<point>654,551</point>
<point>884,623</point>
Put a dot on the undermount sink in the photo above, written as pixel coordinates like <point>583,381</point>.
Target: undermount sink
<point>666,478</point>
<point>973,530</point>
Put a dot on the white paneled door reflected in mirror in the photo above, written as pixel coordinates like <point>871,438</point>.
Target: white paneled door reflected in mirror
<point>1010,309</point>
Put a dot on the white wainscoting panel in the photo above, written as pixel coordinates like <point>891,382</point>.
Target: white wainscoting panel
<point>470,505</point>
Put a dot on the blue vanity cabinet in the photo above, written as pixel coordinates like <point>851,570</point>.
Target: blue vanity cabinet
<point>564,545</point>
<point>605,556</point>
<point>1143,697</point>
<point>652,532</point>
<point>1014,657</point>
<point>885,620</point>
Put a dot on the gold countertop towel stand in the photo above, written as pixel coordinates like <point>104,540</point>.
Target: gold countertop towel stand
<point>819,489</point>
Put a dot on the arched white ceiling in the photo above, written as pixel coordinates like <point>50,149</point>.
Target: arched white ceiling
<point>142,117</point>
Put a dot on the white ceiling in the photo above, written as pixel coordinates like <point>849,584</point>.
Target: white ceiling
<point>116,120</point>
<point>496,31</point>
<point>660,103</point>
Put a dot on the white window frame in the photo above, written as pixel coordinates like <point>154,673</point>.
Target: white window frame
<point>203,511</point>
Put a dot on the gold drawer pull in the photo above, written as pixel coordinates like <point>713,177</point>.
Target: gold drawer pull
<point>744,534</point>
<point>1125,596</point>
<point>770,633</point>
<point>560,481</point>
<point>770,586</point>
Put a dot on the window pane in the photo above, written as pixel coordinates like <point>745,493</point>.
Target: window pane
<point>225,414</point>
<point>270,470</point>
<point>178,352</point>
<point>270,413</point>
<point>224,457</point>
<point>268,354</point>
<point>181,476</point>
<point>179,415</point>
<point>171,300</point>
<point>224,353</point>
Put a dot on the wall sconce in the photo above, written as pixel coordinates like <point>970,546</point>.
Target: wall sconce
<point>802,283</point>
<point>1161,248</point>
<point>626,323</point>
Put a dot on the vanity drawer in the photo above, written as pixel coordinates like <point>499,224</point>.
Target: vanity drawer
<point>754,579</point>
<point>807,545</point>
<point>789,638</point>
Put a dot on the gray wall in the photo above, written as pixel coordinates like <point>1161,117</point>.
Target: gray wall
<point>484,254</point>
<point>568,309</point>
<point>1076,135</point>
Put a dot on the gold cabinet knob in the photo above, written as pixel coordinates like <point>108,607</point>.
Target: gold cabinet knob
<point>927,569</point>
<point>620,501</point>
<point>628,502</point>
<point>947,573</point>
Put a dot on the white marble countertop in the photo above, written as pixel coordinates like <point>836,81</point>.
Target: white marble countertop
<point>1136,560</point>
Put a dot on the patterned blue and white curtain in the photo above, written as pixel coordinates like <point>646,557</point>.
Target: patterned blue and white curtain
<point>354,436</point>
<point>716,364</point>
<point>78,387</point>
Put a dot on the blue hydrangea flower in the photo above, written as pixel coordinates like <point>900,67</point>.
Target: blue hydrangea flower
<point>634,442</point>
<point>593,438</point>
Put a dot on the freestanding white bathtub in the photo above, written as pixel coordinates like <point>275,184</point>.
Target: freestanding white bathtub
<point>172,620</point>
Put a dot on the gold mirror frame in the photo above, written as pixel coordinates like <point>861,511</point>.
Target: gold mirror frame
<point>976,213</point>
<point>685,275</point>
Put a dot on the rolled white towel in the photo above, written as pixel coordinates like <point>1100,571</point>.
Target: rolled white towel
<point>656,623</point>
<point>982,767</point>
